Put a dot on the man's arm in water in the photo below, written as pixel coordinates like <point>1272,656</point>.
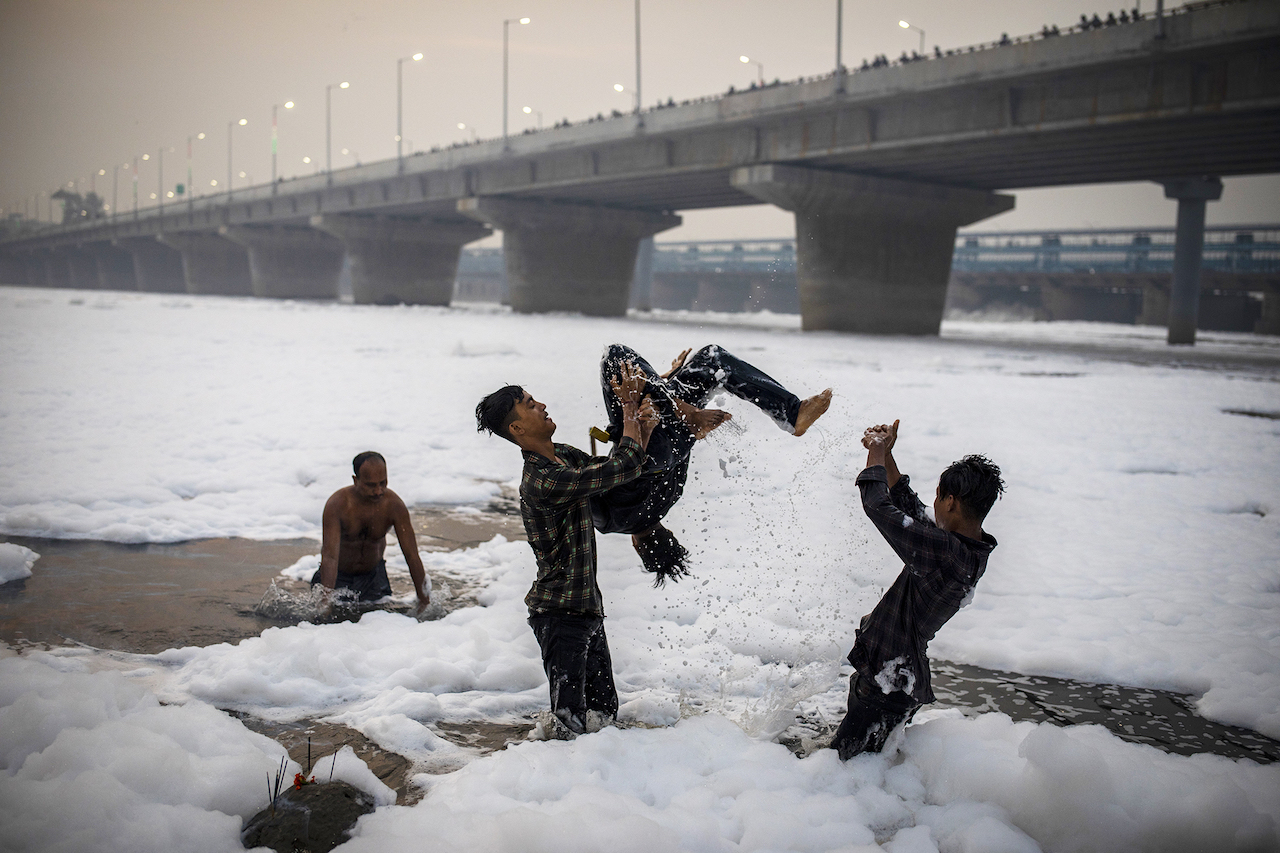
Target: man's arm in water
<point>409,547</point>
<point>331,541</point>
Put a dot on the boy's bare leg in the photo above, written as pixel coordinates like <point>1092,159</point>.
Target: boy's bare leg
<point>812,409</point>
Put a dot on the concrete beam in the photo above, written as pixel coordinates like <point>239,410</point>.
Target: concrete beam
<point>393,261</point>
<point>568,257</point>
<point>211,263</point>
<point>873,255</point>
<point>156,267</point>
<point>290,263</point>
<point>1188,248</point>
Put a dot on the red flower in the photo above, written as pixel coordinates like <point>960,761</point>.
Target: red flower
<point>299,780</point>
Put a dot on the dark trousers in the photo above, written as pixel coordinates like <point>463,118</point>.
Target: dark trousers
<point>871,718</point>
<point>370,586</point>
<point>575,656</point>
<point>707,370</point>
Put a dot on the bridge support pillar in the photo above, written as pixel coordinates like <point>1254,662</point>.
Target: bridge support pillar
<point>115,267</point>
<point>725,292</point>
<point>1184,295</point>
<point>642,281</point>
<point>568,257</point>
<point>83,267</point>
<point>290,263</point>
<point>395,261</point>
<point>211,263</point>
<point>57,273</point>
<point>156,267</point>
<point>873,255</point>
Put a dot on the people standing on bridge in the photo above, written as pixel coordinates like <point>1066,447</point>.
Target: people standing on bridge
<point>943,561</point>
<point>566,609</point>
<point>679,396</point>
<point>354,538</point>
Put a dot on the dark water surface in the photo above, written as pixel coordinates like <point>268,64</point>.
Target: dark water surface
<point>148,598</point>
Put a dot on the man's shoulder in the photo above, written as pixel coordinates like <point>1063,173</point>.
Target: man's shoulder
<point>339,499</point>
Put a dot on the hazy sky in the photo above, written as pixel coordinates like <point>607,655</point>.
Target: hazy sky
<point>86,85</point>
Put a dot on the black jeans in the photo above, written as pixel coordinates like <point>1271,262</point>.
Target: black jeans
<point>575,656</point>
<point>636,506</point>
<point>871,718</point>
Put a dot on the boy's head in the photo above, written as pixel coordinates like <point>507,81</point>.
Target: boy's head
<point>513,414</point>
<point>967,490</point>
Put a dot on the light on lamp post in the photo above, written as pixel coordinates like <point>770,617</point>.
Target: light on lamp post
<point>328,125</point>
<point>506,26</point>
<point>532,111</point>
<point>759,65</point>
<point>907,26</point>
<point>400,105</point>
<point>618,87</point>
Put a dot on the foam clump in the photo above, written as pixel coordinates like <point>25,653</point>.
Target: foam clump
<point>15,562</point>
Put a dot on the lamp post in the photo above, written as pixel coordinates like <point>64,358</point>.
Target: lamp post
<point>400,106</point>
<point>618,87</point>
<point>839,45</point>
<point>506,27</point>
<point>288,105</point>
<point>532,111</point>
<point>328,125</point>
<point>907,26</point>
<point>160,182</point>
<point>474,136</point>
<point>242,122</point>
<point>759,65</point>
<point>638,58</point>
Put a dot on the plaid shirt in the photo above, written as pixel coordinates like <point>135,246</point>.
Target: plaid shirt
<point>941,570</point>
<point>555,506</point>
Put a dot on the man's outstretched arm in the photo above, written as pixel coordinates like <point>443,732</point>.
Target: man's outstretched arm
<point>331,542</point>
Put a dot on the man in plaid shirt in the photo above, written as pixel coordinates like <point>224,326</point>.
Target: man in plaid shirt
<point>566,611</point>
<point>943,560</point>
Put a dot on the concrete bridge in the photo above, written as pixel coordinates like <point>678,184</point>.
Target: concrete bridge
<point>879,166</point>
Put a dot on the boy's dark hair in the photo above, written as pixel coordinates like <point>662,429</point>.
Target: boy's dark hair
<point>975,482</point>
<point>362,458</point>
<point>496,412</point>
<point>663,555</point>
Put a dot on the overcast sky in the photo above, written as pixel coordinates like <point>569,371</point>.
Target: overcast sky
<point>87,85</point>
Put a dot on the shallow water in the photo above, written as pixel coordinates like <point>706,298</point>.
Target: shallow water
<point>148,598</point>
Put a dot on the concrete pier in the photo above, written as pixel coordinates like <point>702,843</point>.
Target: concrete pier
<point>115,267</point>
<point>56,271</point>
<point>723,292</point>
<point>211,263</point>
<point>1188,250</point>
<point>290,263</point>
<point>568,257</point>
<point>156,267</point>
<point>873,255</point>
<point>83,267</point>
<point>401,260</point>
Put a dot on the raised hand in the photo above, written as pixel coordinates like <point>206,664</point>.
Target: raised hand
<point>630,383</point>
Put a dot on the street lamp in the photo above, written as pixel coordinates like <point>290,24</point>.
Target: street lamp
<point>531,111</point>
<point>328,125</point>
<point>288,105</point>
<point>242,122</point>
<point>618,87</point>
<point>759,65</point>
<point>191,187</point>
<point>907,26</point>
<point>400,105</point>
<point>506,26</point>
<point>475,136</point>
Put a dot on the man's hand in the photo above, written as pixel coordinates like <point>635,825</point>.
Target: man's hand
<point>677,363</point>
<point>882,436</point>
<point>648,417</point>
<point>424,599</point>
<point>630,384</point>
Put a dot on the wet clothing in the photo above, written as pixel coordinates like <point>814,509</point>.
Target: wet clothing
<point>371,586</point>
<point>575,656</point>
<point>941,569</point>
<point>555,506</point>
<point>871,718</point>
<point>641,503</point>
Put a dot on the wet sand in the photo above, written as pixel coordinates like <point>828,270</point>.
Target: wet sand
<point>148,598</point>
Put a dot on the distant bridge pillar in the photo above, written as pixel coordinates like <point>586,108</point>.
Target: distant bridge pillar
<point>568,257</point>
<point>290,263</point>
<point>83,267</point>
<point>412,261</point>
<point>57,273</point>
<point>642,281</point>
<point>156,267</point>
<point>873,255</point>
<point>725,291</point>
<point>34,263</point>
<point>1184,295</point>
<point>115,267</point>
<point>211,263</point>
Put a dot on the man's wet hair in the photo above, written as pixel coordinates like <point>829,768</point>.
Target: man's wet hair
<point>497,411</point>
<point>362,458</point>
<point>663,555</point>
<point>975,482</point>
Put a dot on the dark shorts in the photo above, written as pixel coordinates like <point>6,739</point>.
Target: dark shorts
<point>370,586</point>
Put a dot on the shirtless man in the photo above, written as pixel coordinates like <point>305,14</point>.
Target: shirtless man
<point>355,523</point>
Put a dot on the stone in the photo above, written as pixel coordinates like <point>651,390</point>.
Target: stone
<point>311,819</point>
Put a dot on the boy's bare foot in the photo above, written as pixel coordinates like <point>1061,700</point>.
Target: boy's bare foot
<point>810,410</point>
<point>702,421</point>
